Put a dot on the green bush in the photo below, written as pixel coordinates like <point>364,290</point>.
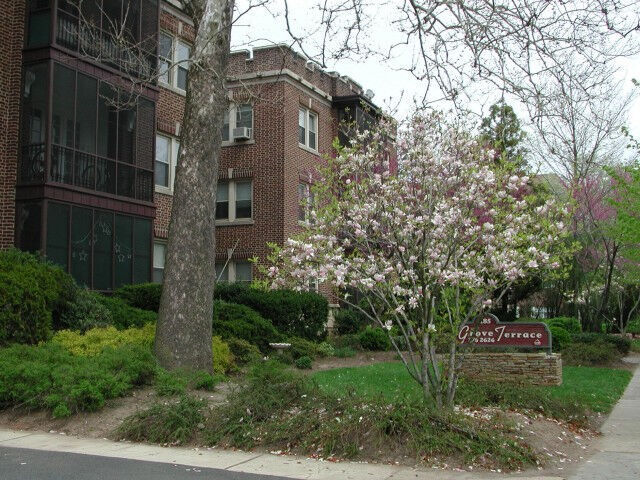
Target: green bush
<point>204,381</point>
<point>24,317</point>
<point>125,316</point>
<point>634,326</point>
<point>348,321</point>
<point>49,377</point>
<point>34,294</point>
<point>303,314</point>
<point>325,349</point>
<point>170,383</point>
<point>86,312</point>
<point>374,339</point>
<point>243,352</point>
<point>304,363</point>
<point>622,344</point>
<point>302,348</point>
<point>171,423</point>
<point>56,286</point>
<point>570,324</point>
<point>94,341</point>
<point>222,357</point>
<point>232,320</point>
<point>145,296</point>
<point>590,354</point>
<point>560,338</point>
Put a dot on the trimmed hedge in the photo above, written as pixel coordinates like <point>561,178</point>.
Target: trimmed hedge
<point>34,294</point>
<point>622,344</point>
<point>560,338</point>
<point>570,324</point>
<point>598,353</point>
<point>303,314</point>
<point>145,296</point>
<point>125,316</point>
<point>232,320</point>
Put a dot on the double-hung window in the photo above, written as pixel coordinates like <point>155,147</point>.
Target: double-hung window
<point>159,254</point>
<point>306,202</point>
<point>234,201</point>
<point>234,271</point>
<point>238,116</point>
<point>165,164</point>
<point>173,61</point>
<point>308,128</point>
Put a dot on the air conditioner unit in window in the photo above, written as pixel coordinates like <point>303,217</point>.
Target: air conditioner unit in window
<point>242,133</point>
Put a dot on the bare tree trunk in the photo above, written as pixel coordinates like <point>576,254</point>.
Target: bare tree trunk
<point>183,334</point>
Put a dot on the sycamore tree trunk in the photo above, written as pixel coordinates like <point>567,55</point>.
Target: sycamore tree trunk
<point>183,334</point>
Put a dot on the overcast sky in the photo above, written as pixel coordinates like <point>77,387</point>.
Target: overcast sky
<point>394,89</point>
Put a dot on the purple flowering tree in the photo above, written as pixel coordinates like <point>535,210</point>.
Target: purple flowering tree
<point>428,246</point>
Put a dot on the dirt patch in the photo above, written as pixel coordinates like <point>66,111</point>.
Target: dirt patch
<point>560,445</point>
<point>100,424</point>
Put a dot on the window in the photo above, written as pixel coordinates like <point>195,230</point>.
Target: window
<point>238,116</point>
<point>243,271</point>
<point>159,256</point>
<point>306,202</point>
<point>308,128</point>
<point>166,161</point>
<point>234,271</point>
<point>225,126</point>
<point>234,201</point>
<point>173,61</point>
<point>222,272</point>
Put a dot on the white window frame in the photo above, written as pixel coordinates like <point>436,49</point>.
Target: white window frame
<point>174,147</point>
<point>232,203</point>
<point>233,110</point>
<point>231,271</point>
<point>307,114</point>
<point>155,263</point>
<point>172,60</point>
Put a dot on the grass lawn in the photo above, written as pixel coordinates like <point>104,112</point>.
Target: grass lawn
<point>635,345</point>
<point>596,388</point>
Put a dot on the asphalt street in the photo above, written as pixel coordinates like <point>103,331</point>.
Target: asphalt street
<point>25,464</point>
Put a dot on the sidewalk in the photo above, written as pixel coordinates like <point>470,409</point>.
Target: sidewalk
<point>235,461</point>
<point>618,454</point>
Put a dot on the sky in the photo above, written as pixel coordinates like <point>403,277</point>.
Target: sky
<point>395,90</point>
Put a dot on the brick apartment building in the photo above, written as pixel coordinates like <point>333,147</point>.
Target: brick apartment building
<point>87,179</point>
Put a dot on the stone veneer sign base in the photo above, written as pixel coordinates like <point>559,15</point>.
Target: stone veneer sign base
<point>523,368</point>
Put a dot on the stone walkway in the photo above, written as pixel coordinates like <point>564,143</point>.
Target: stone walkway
<point>618,454</point>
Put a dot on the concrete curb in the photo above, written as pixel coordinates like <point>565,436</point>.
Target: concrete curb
<point>237,461</point>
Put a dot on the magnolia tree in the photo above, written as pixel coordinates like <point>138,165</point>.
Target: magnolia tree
<point>429,246</point>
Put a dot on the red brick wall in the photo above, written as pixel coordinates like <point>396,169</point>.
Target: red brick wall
<point>274,160</point>
<point>11,39</point>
